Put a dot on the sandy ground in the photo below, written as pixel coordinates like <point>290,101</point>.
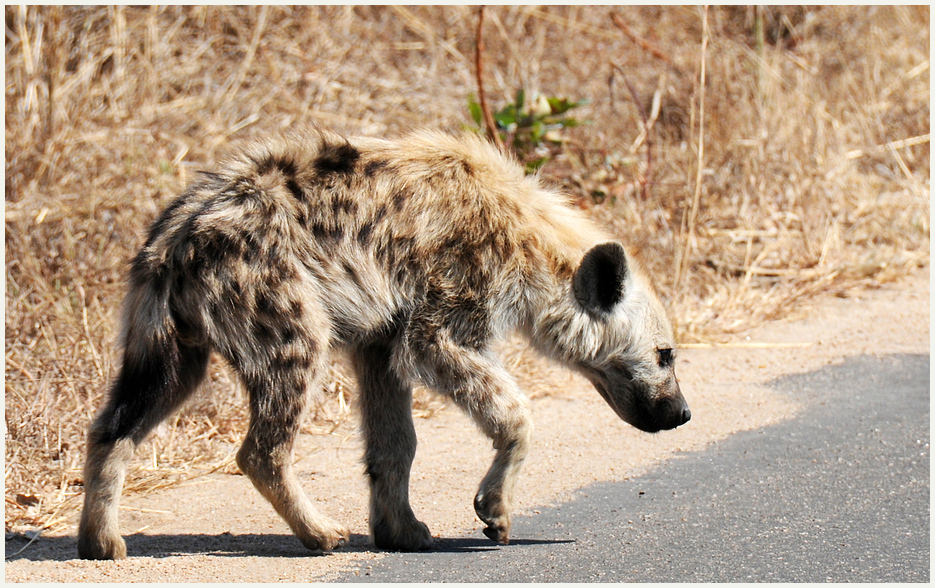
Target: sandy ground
<point>217,528</point>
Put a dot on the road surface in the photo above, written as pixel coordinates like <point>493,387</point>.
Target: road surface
<point>840,493</point>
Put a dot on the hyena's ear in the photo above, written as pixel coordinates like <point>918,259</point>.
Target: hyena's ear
<point>598,281</point>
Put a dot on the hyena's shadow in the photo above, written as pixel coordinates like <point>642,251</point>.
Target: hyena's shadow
<point>230,545</point>
<point>471,544</point>
<point>169,545</point>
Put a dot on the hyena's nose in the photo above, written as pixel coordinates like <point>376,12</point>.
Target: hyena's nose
<point>686,416</point>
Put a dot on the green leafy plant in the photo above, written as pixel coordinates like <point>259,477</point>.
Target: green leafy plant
<point>529,129</point>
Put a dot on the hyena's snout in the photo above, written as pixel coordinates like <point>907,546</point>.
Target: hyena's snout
<point>659,410</point>
<point>647,408</point>
<point>671,410</point>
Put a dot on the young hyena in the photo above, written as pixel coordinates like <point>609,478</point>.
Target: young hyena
<point>413,256</point>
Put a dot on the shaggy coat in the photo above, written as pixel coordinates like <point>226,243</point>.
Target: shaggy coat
<point>414,256</point>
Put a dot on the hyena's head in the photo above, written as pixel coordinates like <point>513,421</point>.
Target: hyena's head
<point>613,329</point>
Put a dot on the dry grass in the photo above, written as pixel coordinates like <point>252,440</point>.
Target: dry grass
<point>814,177</point>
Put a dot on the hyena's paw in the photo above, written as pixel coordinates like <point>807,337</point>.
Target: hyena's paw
<point>496,517</point>
<point>102,547</point>
<point>403,534</point>
<point>326,537</point>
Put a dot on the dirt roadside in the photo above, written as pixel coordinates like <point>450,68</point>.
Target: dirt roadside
<point>218,529</point>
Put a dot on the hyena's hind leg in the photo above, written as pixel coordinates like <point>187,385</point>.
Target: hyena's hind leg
<point>278,378</point>
<point>151,385</point>
<point>386,416</point>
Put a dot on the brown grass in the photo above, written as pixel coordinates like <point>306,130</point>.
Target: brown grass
<point>814,177</point>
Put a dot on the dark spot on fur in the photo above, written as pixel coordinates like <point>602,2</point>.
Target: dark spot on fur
<point>277,271</point>
<point>222,246</point>
<point>562,268</point>
<point>208,251</point>
<point>291,361</point>
<point>469,321</point>
<point>398,254</point>
<point>399,200</point>
<point>467,167</point>
<point>263,333</point>
<point>379,214</point>
<point>323,232</point>
<point>363,234</point>
<point>502,247</point>
<point>336,159</point>
<point>351,273</point>
<point>276,162</point>
<point>509,206</point>
<point>295,189</point>
<point>296,309</point>
<point>311,345</point>
<point>251,250</point>
<point>287,335</point>
<point>266,305</point>
<point>401,275</point>
<point>320,231</point>
<point>374,166</point>
<point>347,206</point>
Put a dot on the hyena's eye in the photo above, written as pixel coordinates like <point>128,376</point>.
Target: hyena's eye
<point>665,357</point>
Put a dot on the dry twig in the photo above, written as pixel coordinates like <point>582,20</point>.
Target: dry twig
<point>687,243</point>
<point>645,179</point>
<point>489,121</point>
<point>643,43</point>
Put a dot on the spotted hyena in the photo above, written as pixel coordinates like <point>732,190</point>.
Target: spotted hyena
<point>413,256</point>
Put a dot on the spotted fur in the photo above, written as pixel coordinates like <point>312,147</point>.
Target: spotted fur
<point>414,256</point>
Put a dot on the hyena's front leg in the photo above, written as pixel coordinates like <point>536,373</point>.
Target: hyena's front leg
<point>386,411</point>
<point>505,420</point>
<point>478,383</point>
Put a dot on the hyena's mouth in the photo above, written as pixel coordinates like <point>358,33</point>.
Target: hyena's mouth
<point>637,406</point>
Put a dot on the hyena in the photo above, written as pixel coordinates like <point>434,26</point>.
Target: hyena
<point>413,256</point>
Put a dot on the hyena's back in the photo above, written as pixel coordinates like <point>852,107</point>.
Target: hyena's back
<point>366,228</point>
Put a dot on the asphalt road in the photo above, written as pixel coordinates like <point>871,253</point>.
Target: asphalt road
<point>840,493</point>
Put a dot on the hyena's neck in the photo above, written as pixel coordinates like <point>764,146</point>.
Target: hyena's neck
<point>554,323</point>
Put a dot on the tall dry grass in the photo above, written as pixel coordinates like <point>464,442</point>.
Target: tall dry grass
<point>814,177</point>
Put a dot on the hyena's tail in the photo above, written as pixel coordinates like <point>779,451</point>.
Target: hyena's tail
<point>161,364</point>
<point>161,368</point>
